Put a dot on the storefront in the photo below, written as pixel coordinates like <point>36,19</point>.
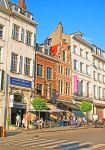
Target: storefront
<point>20,92</point>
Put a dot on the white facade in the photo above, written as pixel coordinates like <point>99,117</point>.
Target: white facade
<point>17,56</point>
<point>90,70</point>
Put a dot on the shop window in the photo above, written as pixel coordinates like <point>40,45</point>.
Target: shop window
<point>18,98</point>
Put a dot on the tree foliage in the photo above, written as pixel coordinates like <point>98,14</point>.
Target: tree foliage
<point>85,106</point>
<point>39,103</point>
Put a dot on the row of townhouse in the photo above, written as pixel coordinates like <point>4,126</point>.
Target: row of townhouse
<point>17,58</point>
<point>65,69</point>
<point>87,71</point>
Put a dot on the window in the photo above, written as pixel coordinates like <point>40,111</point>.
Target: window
<point>75,64</point>
<point>17,97</point>
<point>67,72</point>
<point>104,94</point>
<point>46,51</point>
<point>67,88</point>
<point>39,89</point>
<point>95,91</point>
<point>100,92</point>
<point>39,70</point>
<point>49,42</point>
<point>14,62</point>
<point>28,38</point>
<point>27,66</point>
<point>81,52</point>
<point>1,80</point>
<point>60,86</point>
<point>99,77</point>
<point>95,76</point>
<point>82,69</point>
<point>104,67</point>
<point>21,64</point>
<point>95,63</point>
<point>87,55</point>
<point>34,39</point>
<point>1,31</point>
<point>87,70</point>
<point>61,70</point>
<point>49,73</point>
<point>22,35</point>
<point>1,54</point>
<point>15,32</point>
<point>103,79</point>
<point>64,56</point>
<point>75,49</point>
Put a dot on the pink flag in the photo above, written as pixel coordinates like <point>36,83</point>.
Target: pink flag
<point>75,84</point>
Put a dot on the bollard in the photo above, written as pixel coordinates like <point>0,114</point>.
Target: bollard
<point>3,134</point>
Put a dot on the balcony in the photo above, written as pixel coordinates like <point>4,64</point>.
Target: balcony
<point>21,11</point>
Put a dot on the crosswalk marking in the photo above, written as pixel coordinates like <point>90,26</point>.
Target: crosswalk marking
<point>62,146</point>
<point>42,142</point>
<point>97,146</point>
<point>56,142</point>
<point>21,139</point>
<point>27,141</point>
<point>52,143</point>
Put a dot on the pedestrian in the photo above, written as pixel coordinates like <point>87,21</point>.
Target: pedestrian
<point>18,120</point>
<point>41,123</point>
<point>23,121</point>
<point>27,120</point>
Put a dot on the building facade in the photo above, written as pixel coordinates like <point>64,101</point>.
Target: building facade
<point>98,56</point>
<point>83,56</point>
<point>17,50</point>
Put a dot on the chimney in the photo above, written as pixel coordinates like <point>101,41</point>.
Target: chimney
<point>22,4</point>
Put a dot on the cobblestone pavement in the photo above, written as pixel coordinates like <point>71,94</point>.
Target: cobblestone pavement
<point>58,138</point>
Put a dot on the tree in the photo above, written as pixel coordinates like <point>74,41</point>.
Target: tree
<point>86,106</point>
<point>39,104</point>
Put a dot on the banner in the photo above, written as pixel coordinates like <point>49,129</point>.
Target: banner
<point>75,84</point>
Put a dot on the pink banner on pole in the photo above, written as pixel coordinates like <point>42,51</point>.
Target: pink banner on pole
<point>75,84</point>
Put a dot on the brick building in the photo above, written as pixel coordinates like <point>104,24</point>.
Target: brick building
<point>53,78</point>
<point>45,79</point>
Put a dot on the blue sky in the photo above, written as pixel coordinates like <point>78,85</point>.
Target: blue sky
<point>87,16</point>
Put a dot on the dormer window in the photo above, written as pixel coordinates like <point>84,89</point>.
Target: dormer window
<point>46,51</point>
<point>49,41</point>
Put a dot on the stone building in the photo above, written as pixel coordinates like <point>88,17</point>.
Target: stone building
<point>98,56</point>
<point>17,50</point>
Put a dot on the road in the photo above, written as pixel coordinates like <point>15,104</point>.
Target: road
<point>62,138</point>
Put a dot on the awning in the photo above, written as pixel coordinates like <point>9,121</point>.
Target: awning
<point>75,109</point>
<point>69,104</point>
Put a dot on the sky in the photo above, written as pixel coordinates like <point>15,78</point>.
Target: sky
<point>86,16</point>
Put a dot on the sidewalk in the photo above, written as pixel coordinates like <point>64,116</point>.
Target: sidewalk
<point>32,131</point>
<point>54,129</point>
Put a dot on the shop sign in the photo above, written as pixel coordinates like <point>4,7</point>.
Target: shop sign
<point>11,101</point>
<point>20,82</point>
